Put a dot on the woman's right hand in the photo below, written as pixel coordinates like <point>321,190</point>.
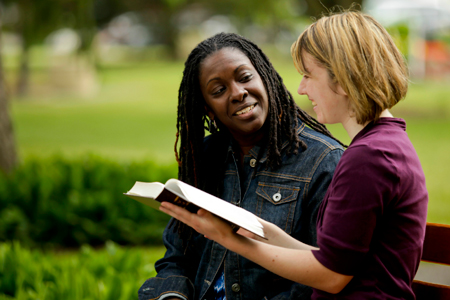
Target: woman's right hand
<point>203,222</point>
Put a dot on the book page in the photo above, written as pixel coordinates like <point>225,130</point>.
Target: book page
<point>222,208</point>
<point>173,185</point>
<point>152,193</point>
<point>146,192</point>
<point>146,189</point>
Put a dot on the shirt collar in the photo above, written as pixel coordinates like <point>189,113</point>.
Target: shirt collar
<point>255,150</point>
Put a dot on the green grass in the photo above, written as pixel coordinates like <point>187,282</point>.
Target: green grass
<point>431,139</point>
<point>133,115</point>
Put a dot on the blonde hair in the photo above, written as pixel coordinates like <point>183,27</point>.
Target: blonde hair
<point>361,56</point>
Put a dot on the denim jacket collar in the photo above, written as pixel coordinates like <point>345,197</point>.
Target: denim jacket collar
<point>255,150</point>
<point>288,197</point>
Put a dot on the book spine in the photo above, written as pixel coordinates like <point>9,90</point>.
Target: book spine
<point>168,196</point>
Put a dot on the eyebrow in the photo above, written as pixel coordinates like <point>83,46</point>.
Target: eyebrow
<point>306,69</point>
<point>217,78</point>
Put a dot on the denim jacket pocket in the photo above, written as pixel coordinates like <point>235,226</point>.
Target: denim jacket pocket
<point>277,203</point>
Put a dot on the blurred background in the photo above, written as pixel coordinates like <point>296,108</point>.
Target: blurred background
<point>88,99</point>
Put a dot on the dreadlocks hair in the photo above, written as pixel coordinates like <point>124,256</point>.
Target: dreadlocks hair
<point>281,121</point>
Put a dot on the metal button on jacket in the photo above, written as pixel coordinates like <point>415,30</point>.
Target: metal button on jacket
<point>252,162</point>
<point>236,287</point>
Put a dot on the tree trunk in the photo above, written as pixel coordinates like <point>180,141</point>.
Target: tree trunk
<point>24,73</point>
<point>8,157</point>
<point>170,35</point>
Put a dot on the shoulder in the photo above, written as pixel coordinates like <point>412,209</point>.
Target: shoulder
<point>322,153</point>
<point>371,144</point>
<point>316,140</point>
<point>370,159</point>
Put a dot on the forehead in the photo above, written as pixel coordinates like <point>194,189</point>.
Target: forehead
<point>308,62</point>
<point>224,59</point>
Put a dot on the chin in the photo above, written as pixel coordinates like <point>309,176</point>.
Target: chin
<point>321,120</point>
<point>255,128</point>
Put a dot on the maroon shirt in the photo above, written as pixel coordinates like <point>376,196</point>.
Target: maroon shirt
<point>372,221</point>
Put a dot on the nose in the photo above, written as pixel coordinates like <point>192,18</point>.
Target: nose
<point>302,87</point>
<point>238,93</point>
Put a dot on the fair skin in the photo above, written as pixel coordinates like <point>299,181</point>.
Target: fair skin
<point>329,100</point>
<point>280,253</point>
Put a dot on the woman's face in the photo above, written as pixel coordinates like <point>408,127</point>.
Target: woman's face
<point>234,93</point>
<point>329,100</point>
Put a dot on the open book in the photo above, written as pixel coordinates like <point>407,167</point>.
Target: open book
<point>191,198</point>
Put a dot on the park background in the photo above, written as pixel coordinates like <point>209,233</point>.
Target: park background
<point>88,95</point>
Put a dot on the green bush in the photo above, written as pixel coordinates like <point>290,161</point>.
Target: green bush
<point>60,202</point>
<point>111,273</point>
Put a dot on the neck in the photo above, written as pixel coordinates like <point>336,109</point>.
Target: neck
<point>353,128</point>
<point>246,144</point>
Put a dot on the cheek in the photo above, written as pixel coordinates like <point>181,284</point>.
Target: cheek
<point>265,97</point>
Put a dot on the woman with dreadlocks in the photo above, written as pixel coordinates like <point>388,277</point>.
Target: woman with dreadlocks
<point>264,154</point>
<point>371,224</point>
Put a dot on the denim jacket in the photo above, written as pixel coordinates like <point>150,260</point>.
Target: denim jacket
<point>289,197</point>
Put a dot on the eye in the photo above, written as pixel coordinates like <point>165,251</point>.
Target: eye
<point>246,77</point>
<point>217,91</point>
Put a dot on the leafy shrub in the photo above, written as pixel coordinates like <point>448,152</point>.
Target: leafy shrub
<point>69,203</point>
<point>111,273</point>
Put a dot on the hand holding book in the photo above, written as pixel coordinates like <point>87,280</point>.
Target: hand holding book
<point>203,222</point>
<point>191,198</point>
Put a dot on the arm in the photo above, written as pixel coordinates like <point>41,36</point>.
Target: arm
<point>294,264</point>
<point>276,237</point>
<point>176,271</point>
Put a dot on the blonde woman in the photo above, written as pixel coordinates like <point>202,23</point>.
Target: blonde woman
<point>371,224</point>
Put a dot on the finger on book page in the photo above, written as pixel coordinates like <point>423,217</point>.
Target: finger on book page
<point>205,223</point>
<point>251,235</point>
<point>195,220</point>
<point>175,211</point>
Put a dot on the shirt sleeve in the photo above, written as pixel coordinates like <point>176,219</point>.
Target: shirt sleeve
<point>176,270</point>
<point>171,295</point>
<point>362,186</point>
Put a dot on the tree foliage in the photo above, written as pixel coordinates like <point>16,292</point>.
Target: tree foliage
<point>315,8</point>
<point>37,19</point>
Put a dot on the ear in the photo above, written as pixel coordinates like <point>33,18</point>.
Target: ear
<point>340,90</point>
<point>209,112</point>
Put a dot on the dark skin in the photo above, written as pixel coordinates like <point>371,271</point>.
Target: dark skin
<point>235,94</point>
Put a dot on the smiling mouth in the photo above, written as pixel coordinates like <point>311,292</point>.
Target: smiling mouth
<point>245,110</point>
